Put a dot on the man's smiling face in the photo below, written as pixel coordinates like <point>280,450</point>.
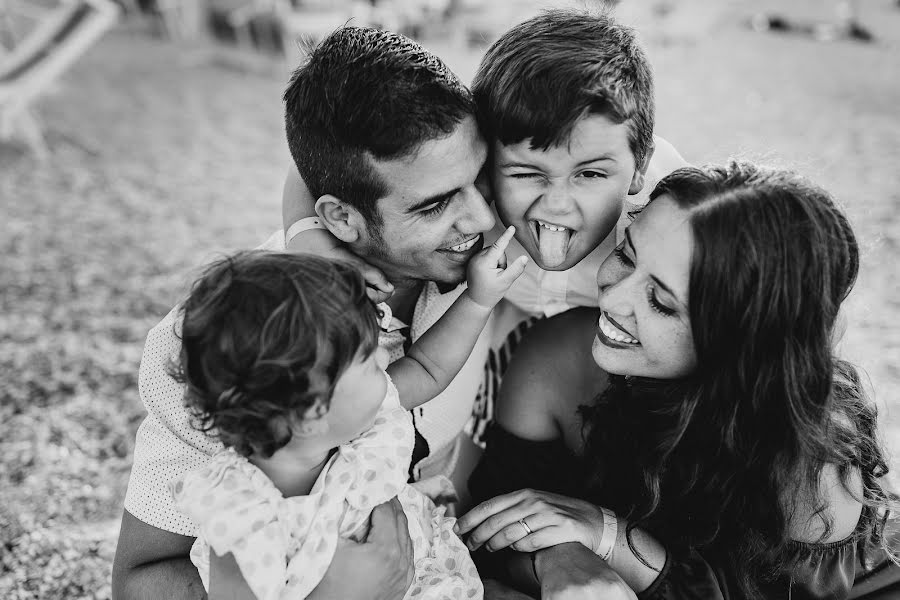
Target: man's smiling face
<point>565,200</point>
<point>433,217</point>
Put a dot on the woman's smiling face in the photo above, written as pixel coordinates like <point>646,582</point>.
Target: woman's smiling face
<point>644,327</point>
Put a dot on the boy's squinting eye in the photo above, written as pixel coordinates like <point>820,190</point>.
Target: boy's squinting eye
<point>593,174</point>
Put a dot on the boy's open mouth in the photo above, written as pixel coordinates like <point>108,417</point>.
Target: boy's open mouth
<point>553,242</point>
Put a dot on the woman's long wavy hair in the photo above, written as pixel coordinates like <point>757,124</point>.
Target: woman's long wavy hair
<point>265,337</point>
<point>724,454</point>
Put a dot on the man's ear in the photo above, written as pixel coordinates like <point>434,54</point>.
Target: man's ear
<point>341,219</point>
<point>640,171</point>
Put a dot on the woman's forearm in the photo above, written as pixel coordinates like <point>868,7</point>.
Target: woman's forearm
<point>629,566</point>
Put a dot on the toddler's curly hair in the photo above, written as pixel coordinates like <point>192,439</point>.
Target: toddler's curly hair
<point>265,337</point>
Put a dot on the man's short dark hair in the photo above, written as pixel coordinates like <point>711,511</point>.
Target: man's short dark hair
<point>545,74</point>
<point>362,94</point>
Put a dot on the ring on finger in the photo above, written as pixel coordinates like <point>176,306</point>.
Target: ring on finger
<point>528,530</point>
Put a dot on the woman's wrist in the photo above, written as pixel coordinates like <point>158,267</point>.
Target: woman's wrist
<point>608,534</point>
<point>633,570</point>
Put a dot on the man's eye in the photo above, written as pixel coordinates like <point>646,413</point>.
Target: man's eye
<point>436,209</point>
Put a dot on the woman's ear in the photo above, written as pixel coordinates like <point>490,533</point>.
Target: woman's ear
<point>640,171</point>
<point>341,219</point>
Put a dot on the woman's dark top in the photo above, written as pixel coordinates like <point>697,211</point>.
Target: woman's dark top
<point>818,571</point>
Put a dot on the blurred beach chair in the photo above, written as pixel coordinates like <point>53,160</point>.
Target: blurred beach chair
<point>29,68</point>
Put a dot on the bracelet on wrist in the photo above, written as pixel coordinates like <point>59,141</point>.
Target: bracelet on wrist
<point>608,537</point>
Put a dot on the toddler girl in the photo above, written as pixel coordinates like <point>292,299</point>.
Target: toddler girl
<point>281,361</point>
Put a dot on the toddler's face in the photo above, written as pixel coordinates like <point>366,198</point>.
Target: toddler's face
<point>358,395</point>
<point>566,200</point>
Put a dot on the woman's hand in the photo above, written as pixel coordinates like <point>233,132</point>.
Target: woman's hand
<point>551,518</point>
<point>573,572</point>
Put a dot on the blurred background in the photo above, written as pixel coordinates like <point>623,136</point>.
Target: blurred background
<point>141,138</point>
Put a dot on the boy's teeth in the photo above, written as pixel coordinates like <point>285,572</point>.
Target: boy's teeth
<point>551,226</point>
<point>613,332</point>
<point>553,243</point>
<point>465,245</point>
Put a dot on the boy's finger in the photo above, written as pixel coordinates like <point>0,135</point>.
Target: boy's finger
<point>499,247</point>
<point>515,270</point>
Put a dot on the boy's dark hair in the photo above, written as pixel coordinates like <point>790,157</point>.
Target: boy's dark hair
<point>363,94</point>
<point>265,336</point>
<point>545,74</point>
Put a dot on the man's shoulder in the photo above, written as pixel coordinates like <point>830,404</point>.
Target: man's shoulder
<point>665,159</point>
<point>162,348</point>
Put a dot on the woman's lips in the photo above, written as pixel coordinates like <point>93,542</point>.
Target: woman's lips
<point>610,331</point>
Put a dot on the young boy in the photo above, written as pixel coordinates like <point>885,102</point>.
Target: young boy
<point>567,104</point>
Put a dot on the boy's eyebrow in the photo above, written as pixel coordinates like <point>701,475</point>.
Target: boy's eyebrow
<point>433,200</point>
<point>519,164</point>
<point>653,277</point>
<point>605,157</point>
<point>601,158</point>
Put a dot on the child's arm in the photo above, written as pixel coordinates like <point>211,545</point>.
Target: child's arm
<point>436,357</point>
<point>225,579</point>
<point>298,203</point>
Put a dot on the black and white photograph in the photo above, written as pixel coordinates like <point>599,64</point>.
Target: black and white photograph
<point>450,299</point>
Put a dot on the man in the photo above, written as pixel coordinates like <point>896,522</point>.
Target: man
<point>385,137</point>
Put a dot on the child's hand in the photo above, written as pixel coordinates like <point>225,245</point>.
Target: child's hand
<point>489,276</point>
<point>321,243</point>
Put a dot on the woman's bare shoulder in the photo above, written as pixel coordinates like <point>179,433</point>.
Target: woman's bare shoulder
<point>841,506</point>
<point>551,373</point>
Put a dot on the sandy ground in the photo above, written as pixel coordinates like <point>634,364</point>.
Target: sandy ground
<point>166,155</point>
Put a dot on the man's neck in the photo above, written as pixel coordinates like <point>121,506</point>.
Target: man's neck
<point>403,300</point>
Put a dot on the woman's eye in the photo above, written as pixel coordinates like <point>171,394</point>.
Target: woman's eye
<point>656,304</point>
<point>525,175</point>
<point>622,257</point>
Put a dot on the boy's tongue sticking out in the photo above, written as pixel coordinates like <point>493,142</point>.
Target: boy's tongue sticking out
<point>553,243</point>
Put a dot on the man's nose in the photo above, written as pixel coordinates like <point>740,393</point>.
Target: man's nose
<point>476,216</point>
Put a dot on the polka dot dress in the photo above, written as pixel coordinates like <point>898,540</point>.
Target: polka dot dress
<point>283,546</point>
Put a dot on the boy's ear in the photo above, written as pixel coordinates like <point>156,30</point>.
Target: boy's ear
<point>640,171</point>
<point>341,219</point>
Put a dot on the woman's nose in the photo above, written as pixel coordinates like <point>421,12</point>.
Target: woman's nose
<point>617,298</point>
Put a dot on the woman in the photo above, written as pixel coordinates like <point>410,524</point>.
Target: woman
<point>728,453</point>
